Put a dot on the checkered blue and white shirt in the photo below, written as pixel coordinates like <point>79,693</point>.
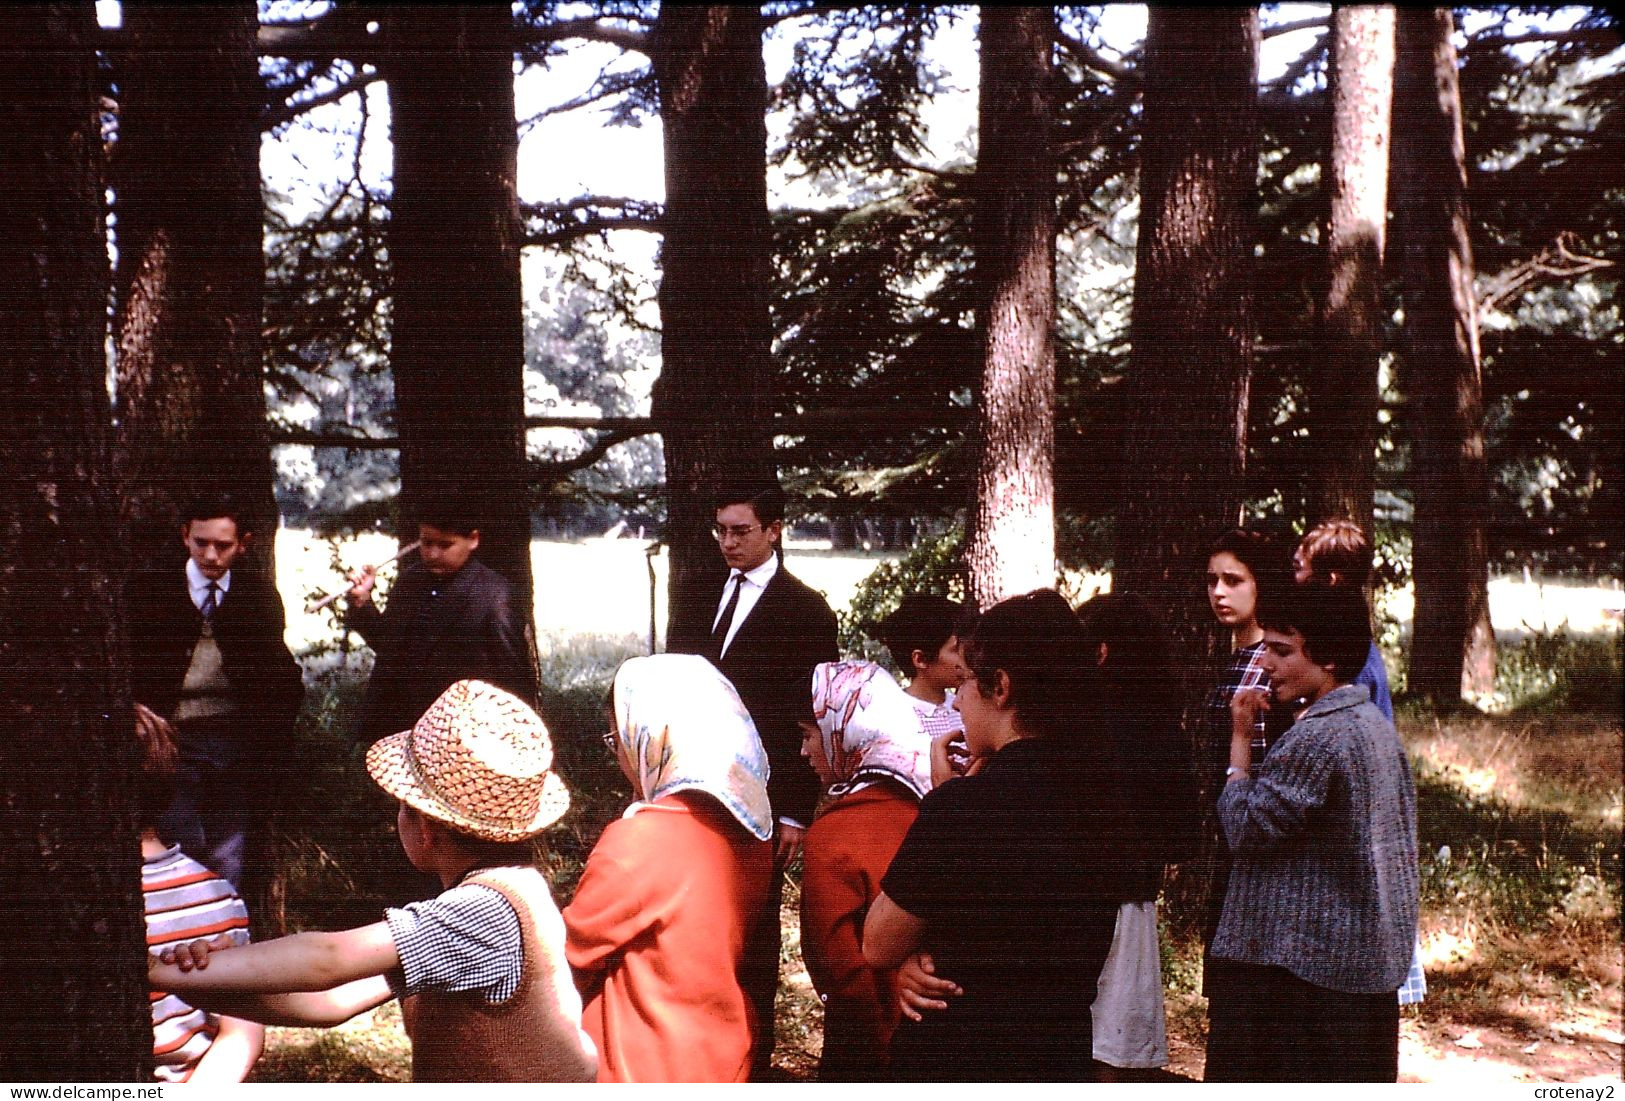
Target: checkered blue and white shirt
<point>462,941</point>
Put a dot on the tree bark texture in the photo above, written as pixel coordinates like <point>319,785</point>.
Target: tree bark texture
<point>1452,644</point>
<point>1011,549</point>
<point>1343,404</point>
<point>191,272</point>
<point>1192,327</point>
<point>716,334</point>
<point>71,959</point>
<point>457,349</point>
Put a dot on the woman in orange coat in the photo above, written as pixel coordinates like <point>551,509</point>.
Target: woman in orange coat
<point>657,928</point>
<point>868,747</point>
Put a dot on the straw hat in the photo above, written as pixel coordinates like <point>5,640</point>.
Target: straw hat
<point>479,760</point>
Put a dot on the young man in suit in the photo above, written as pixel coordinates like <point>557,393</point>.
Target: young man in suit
<point>765,633</point>
<point>450,618</point>
<point>209,668</point>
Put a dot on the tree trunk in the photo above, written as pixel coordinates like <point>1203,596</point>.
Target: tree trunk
<point>716,335</point>
<point>75,1004</point>
<point>1192,327</point>
<point>843,534</point>
<point>191,273</point>
<point>457,348</point>
<point>1185,444</point>
<point>1011,546</point>
<point>189,229</point>
<point>1343,404</point>
<point>1452,644</point>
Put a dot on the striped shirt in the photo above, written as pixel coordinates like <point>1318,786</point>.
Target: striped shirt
<point>184,901</point>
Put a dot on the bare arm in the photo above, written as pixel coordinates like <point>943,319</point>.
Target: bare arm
<point>890,933</point>
<point>319,1009</point>
<point>303,962</point>
<point>233,1054</point>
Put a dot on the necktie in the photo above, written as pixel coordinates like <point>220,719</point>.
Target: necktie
<point>211,601</point>
<point>719,633</point>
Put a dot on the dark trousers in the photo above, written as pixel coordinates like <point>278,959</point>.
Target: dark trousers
<point>1267,1025</point>
<point>759,976</point>
<point>213,808</point>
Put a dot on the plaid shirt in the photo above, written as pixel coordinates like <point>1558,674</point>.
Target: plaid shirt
<point>938,719</point>
<point>1244,671</point>
<point>465,940</point>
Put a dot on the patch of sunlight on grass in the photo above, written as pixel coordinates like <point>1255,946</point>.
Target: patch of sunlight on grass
<point>1443,950</point>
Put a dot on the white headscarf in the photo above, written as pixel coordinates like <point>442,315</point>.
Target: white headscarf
<point>683,728</point>
<point>871,729</point>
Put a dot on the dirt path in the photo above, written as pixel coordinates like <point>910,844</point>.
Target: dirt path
<point>1543,1043</point>
<point>1576,1048</point>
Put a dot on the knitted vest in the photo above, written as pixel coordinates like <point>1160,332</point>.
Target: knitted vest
<point>534,1036</point>
<point>206,692</point>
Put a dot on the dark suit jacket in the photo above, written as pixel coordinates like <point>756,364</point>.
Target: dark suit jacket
<point>790,630</point>
<point>426,643</point>
<point>248,626</point>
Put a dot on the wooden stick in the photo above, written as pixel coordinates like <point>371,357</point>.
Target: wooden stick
<point>330,597</point>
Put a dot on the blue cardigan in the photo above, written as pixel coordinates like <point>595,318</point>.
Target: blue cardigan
<point>1325,881</point>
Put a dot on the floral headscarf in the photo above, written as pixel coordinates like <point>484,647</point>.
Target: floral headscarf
<point>683,728</point>
<point>871,730</point>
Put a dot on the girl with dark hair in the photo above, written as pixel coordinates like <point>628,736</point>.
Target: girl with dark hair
<point>1142,718</point>
<point>1242,563</point>
<point>1011,876</point>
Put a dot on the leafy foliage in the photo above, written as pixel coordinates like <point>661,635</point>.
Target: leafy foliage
<point>1561,672</point>
<point>935,566</point>
<point>872,303</point>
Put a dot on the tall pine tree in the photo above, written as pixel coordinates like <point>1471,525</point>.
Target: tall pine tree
<point>1452,644</point>
<point>1012,532</point>
<point>71,962</point>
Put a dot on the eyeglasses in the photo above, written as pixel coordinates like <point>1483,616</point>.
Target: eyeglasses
<point>738,531</point>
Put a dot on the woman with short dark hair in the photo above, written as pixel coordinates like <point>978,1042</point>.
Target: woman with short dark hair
<point>1011,875</point>
<point>1320,911</point>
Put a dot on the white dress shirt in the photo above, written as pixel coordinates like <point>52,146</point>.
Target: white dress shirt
<point>750,591</point>
<point>199,585</point>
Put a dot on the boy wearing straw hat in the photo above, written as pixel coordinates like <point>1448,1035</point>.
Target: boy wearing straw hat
<point>486,993</point>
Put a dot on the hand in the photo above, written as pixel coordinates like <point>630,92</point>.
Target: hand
<point>151,725</point>
<point>942,763</point>
<point>918,987</point>
<point>787,845</point>
<point>1245,708</point>
<point>361,582</point>
<point>193,955</point>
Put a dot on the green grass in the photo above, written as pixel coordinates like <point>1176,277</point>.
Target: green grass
<point>590,588</point>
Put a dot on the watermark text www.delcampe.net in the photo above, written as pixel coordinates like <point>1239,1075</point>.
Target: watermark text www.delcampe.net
<point>87,1093</point>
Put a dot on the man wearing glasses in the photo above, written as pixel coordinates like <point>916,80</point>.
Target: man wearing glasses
<point>766,632</point>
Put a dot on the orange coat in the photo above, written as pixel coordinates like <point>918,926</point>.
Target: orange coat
<point>655,934</point>
<point>844,857</point>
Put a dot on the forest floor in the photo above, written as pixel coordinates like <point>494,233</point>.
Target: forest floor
<point>1520,927</point>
